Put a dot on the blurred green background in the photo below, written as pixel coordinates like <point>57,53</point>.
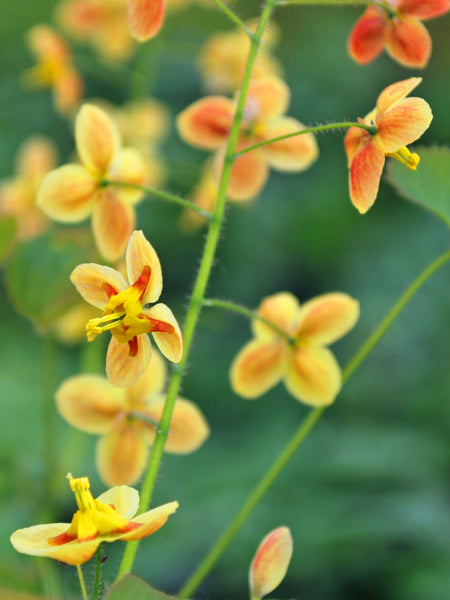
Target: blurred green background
<point>367,496</point>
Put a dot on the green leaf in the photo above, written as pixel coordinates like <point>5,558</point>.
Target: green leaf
<point>8,228</point>
<point>37,276</point>
<point>429,186</point>
<point>131,586</point>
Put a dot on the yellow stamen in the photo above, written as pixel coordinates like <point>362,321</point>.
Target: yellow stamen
<point>101,324</point>
<point>403,155</point>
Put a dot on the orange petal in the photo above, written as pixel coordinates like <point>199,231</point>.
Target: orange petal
<point>97,139</point>
<point>45,43</point>
<point>268,97</point>
<point>270,562</point>
<point>404,123</point>
<point>365,174</point>
<point>67,194</point>
<point>409,42</point>
<point>248,175</point>
<point>79,17</point>
<point>145,18</point>
<point>292,154</point>
<point>151,521</point>
<point>258,367</point>
<point>207,122</point>
<point>122,369</point>
<point>89,279</point>
<point>395,92</point>
<point>89,402</point>
<point>68,90</point>
<point>366,40</point>
<point>139,254</point>
<point>122,455</point>
<point>282,309</point>
<point>423,9</point>
<point>325,319</point>
<point>170,343</point>
<point>355,138</point>
<point>314,376</point>
<point>113,221</point>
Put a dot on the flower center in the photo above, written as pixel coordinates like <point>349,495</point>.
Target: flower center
<point>403,155</point>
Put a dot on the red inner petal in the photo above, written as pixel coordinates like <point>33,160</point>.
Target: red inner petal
<point>133,346</point>
<point>142,281</point>
<point>62,538</point>
<point>160,326</point>
<point>109,290</point>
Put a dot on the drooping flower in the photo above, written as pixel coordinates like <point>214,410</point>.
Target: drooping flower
<point>145,18</point>
<point>294,351</point>
<point>207,122</point>
<point>105,519</point>
<point>54,68</point>
<point>127,420</point>
<point>398,28</point>
<point>126,311</point>
<point>36,157</point>
<point>270,563</point>
<point>72,192</point>
<point>399,121</point>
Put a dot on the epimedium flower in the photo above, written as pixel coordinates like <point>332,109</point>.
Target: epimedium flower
<point>72,192</point>
<point>105,519</point>
<point>129,311</point>
<point>399,121</point>
<point>398,28</point>
<point>270,563</point>
<point>207,122</point>
<point>127,420</point>
<point>293,351</point>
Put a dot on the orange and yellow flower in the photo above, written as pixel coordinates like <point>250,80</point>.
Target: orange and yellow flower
<point>270,563</point>
<point>54,68</point>
<point>293,351</point>
<point>72,192</point>
<point>128,312</point>
<point>206,124</point>
<point>398,28</point>
<point>127,419</point>
<point>105,519</point>
<point>399,121</point>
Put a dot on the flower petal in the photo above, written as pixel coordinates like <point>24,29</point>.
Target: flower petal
<point>97,139</point>
<point>292,154</point>
<point>124,499</point>
<point>423,9</point>
<point>68,90</point>
<point>409,42</point>
<point>89,279</point>
<point>258,367</point>
<point>129,166</point>
<point>122,455</point>
<point>113,220</point>
<point>270,562</point>
<point>314,376</point>
<point>268,97</point>
<point>151,382</point>
<point>366,39</point>
<point>365,174</point>
<point>36,158</point>
<point>170,343</point>
<point>248,175</point>
<point>122,369</point>
<point>282,310</point>
<point>404,123</point>
<point>45,43</point>
<point>327,318</point>
<point>395,92</point>
<point>89,402</point>
<point>145,18</point>
<point>355,138</point>
<point>141,253</point>
<point>206,123</point>
<point>151,521</point>
<point>67,194</point>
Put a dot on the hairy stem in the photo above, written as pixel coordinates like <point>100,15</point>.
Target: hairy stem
<point>232,15</point>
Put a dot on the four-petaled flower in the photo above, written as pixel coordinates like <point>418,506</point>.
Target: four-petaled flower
<point>207,122</point>
<point>127,419</point>
<point>105,519</point>
<point>72,192</point>
<point>294,349</point>
<point>126,313</point>
<point>398,28</point>
<point>399,121</point>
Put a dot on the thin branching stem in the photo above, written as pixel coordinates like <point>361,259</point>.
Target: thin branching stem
<point>233,16</point>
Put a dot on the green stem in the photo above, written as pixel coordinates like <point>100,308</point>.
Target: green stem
<point>318,128</point>
<point>305,427</point>
<point>98,572</point>
<point>200,285</point>
<point>233,16</point>
<point>82,584</point>
<point>335,3</point>
<point>247,312</point>
<point>159,194</point>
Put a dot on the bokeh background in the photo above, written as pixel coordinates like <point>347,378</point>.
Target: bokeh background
<point>367,496</point>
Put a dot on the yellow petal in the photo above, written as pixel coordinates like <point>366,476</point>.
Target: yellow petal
<point>37,157</point>
<point>124,499</point>
<point>270,562</point>
<point>122,369</point>
<point>271,96</point>
<point>296,153</point>
<point>113,220</point>
<point>97,139</point>
<point>395,92</point>
<point>151,521</point>
<point>169,343</point>
<point>151,382</point>
<point>129,166</point>
<point>89,279</point>
<point>139,254</point>
<point>282,309</point>
<point>122,455</point>
<point>325,319</point>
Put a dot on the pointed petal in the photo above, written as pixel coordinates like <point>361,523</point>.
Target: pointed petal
<point>327,318</point>
<point>395,92</point>
<point>404,123</point>
<point>409,43</point>
<point>151,382</point>
<point>170,343</point>
<point>124,499</point>
<point>257,368</point>
<point>423,9</point>
<point>355,138</point>
<point>292,154</point>
<point>282,309</point>
<point>122,369</point>
<point>139,254</point>
<point>366,39</point>
<point>268,97</point>
<point>151,521</point>
<point>89,279</point>
<point>365,174</point>
<point>270,562</point>
<point>145,18</point>
<point>314,376</point>
<point>129,166</point>
<point>248,175</point>
<point>113,220</point>
<point>89,402</point>
<point>122,455</point>
<point>97,139</point>
<point>67,194</point>
<point>45,43</point>
<point>206,123</point>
